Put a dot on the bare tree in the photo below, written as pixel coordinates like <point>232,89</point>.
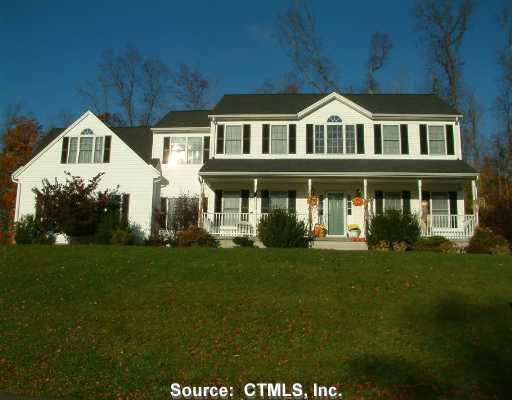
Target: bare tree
<point>190,87</point>
<point>129,87</point>
<point>504,99</point>
<point>296,32</point>
<point>472,145</point>
<point>287,83</point>
<point>444,24</point>
<point>380,47</point>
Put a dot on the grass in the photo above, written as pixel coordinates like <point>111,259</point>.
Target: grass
<point>126,322</point>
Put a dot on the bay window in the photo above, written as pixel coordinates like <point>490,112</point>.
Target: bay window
<point>436,140</point>
<point>391,139</point>
<point>233,139</point>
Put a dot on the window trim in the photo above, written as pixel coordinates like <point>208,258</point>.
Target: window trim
<point>447,195</point>
<point>444,140</point>
<point>399,140</point>
<point>286,137</point>
<point>169,156</point>
<point>343,138</point>
<point>355,139</point>
<point>384,199</point>
<point>241,126</point>
<point>230,192</point>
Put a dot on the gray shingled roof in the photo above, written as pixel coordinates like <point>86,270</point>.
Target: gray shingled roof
<point>356,166</point>
<point>139,139</point>
<point>292,103</point>
<point>183,119</point>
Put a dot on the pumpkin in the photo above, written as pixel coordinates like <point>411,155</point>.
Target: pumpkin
<point>357,201</point>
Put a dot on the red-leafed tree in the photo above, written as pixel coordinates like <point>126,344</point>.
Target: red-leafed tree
<point>17,143</point>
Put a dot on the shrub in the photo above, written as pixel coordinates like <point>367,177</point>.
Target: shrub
<point>29,231</point>
<point>242,241</point>
<point>123,236</point>
<point>486,241</point>
<point>157,239</point>
<point>195,236</point>
<point>281,229</point>
<point>184,213</point>
<point>434,243</point>
<point>107,224</point>
<point>393,227</point>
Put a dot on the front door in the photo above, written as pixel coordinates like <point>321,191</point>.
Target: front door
<point>336,214</point>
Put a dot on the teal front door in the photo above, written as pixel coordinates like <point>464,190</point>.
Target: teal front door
<point>336,214</point>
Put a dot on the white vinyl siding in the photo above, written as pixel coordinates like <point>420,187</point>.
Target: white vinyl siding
<point>350,139</point>
<point>278,142</point>
<point>391,139</point>
<point>334,139</point>
<point>436,140</point>
<point>233,139</point>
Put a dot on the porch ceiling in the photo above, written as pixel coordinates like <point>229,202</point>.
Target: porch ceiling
<point>337,167</point>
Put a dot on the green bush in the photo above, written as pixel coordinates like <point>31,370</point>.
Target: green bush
<point>107,224</point>
<point>486,241</point>
<point>242,241</point>
<point>157,239</point>
<point>434,243</point>
<point>281,229</point>
<point>29,231</point>
<point>123,236</point>
<point>195,236</point>
<point>393,227</point>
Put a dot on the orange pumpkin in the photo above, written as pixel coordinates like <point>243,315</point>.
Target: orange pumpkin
<point>357,201</point>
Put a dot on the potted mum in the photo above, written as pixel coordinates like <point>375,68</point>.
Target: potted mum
<point>353,230</point>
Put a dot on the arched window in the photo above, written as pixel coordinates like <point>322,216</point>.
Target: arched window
<point>87,131</point>
<point>334,119</point>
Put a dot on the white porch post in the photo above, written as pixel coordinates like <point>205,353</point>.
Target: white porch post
<point>365,206</point>
<point>310,211</point>
<point>365,188</point>
<point>255,203</point>
<point>474,190</point>
<point>310,184</point>
<point>420,197</point>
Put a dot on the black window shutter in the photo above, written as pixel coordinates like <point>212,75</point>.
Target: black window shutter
<point>247,139</point>
<point>106,149</point>
<point>360,138</point>
<point>125,208</point>
<point>265,202</point>
<point>292,200</point>
<point>423,139</point>
<point>377,139</point>
<point>163,212</point>
<point>206,148</point>
<point>64,154</point>
<point>292,138</point>
<point>265,144</point>
<point>379,202</point>
<point>404,138</point>
<point>425,196</point>
<point>218,201</point>
<point>406,198</point>
<point>167,145</point>
<point>453,208</point>
<point>309,139</point>
<point>450,148</point>
<point>220,140</point>
<point>245,201</point>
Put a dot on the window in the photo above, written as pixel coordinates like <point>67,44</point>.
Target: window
<point>73,149</point>
<point>392,201</point>
<point>349,205</point>
<point>87,131</point>
<point>334,139</point>
<point>231,202</point>
<point>334,119</point>
<point>194,149</point>
<point>85,152</point>
<point>391,139</point>
<point>278,200</point>
<point>436,140</point>
<point>233,140</point>
<point>440,204</point>
<point>350,139</point>
<point>279,144</point>
<point>319,139</point>
<point>98,150</point>
<point>178,154</point>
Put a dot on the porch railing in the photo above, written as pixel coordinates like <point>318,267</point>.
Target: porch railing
<point>450,226</point>
<point>235,224</point>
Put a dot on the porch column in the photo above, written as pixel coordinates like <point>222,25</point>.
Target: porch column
<point>201,201</point>
<point>310,211</point>
<point>420,198</point>
<point>365,205</point>
<point>474,190</point>
<point>255,204</point>
<point>365,188</point>
<point>310,185</point>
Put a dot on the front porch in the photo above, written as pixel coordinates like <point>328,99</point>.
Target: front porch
<point>240,204</point>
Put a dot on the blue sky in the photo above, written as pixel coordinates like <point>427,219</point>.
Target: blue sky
<point>50,48</point>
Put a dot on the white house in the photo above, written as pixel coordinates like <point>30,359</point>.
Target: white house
<point>255,152</point>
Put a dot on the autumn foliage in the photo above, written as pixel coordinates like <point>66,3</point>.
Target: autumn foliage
<point>18,142</point>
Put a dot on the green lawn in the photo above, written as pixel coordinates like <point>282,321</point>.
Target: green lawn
<point>125,322</point>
